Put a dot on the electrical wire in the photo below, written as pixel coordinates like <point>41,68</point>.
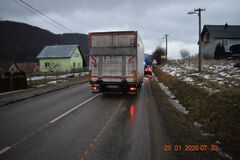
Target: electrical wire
<point>187,19</point>
<point>38,12</point>
<point>28,9</point>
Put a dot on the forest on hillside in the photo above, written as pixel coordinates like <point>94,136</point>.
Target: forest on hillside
<point>22,42</point>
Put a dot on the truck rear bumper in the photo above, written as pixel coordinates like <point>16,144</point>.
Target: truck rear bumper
<point>123,86</point>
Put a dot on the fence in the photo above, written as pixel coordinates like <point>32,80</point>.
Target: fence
<point>20,80</point>
<point>15,81</point>
<point>53,77</point>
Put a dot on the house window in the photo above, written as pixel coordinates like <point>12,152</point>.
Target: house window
<point>79,65</point>
<point>225,42</point>
<point>47,64</point>
<point>206,38</point>
<point>74,64</point>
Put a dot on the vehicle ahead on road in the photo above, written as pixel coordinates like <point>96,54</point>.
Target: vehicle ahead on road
<point>148,71</point>
<point>116,61</point>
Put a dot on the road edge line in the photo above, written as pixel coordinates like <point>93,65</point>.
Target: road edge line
<point>5,150</point>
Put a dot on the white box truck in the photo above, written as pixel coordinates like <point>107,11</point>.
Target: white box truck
<point>116,61</point>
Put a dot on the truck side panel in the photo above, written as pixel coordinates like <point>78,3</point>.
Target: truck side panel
<point>140,58</point>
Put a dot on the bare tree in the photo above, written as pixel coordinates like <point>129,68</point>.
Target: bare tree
<point>185,54</point>
<point>53,67</point>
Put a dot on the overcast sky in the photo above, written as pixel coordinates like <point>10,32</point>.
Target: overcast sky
<point>152,18</point>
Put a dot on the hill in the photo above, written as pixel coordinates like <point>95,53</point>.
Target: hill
<point>21,42</point>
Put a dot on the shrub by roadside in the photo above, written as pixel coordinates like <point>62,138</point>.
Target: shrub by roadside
<point>217,112</point>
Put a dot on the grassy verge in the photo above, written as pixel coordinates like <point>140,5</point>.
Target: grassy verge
<point>180,129</point>
<point>217,112</point>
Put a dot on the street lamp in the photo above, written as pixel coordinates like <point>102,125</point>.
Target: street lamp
<point>198,11</point>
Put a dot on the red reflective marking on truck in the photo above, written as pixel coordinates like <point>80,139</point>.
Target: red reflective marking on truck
<point>94,58</point>
<point>94,61</point>
<point>130,59</point>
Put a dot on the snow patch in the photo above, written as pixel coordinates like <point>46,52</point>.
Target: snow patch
<point>197,125</point>
<point>189,80</point>
<point>172,99</point>
<point>178,106</point>
<point>52,82</point>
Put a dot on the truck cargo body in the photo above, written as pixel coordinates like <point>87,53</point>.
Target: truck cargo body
<point>116,61</point>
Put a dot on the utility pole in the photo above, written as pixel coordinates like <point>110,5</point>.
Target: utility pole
<point>198,11</point>
<point>166,37</point>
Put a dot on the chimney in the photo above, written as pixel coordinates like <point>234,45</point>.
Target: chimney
<point>226,26</point>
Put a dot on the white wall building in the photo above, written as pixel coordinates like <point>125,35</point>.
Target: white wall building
<point>227,35</point>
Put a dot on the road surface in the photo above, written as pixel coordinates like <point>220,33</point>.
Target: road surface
<point>74,124</point>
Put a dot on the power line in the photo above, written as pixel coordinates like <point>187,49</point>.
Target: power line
<point>46,16</point>
<point>187,19</point>
<point>203,3</point>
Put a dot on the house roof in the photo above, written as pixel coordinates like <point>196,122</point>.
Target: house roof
<point>27,67</point>
<point>223,31</point>
<point>57,51</point>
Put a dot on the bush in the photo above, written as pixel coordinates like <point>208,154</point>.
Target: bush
<point>219,51</point>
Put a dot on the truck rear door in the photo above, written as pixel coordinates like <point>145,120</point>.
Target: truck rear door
<point>108,66</point>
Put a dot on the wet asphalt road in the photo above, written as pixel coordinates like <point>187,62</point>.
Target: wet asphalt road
<point>74,124</point>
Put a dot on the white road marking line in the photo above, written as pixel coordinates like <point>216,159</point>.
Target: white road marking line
<point>52,121</point>
<point>5,149</point>
<point>66,113</point>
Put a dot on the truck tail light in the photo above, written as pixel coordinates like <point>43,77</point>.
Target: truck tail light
<point>94,88</point>
<point>132,88</point>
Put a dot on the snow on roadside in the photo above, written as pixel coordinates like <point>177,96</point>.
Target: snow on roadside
<point>171,98</point>
<point>189,80</point>
<point>54,77</point>
<point>219,74</point>
<point>223,74</point>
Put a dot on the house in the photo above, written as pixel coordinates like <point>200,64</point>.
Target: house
<point>60,58</point>
<point>13,68</point>
<point>28,67</point>
<point>226,35</point>
<point>8,66</point>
